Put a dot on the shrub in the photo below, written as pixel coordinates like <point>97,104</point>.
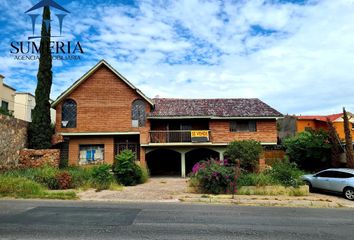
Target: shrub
<point>286,173</point>
<point>145,174</point>
<point>64,180</point>
<point>212,177</point>
<point>64,163</point>
<point>246,151</point>
<point>126,171</point>
<point>101,176</point>
<point>81,177</point>
<point>310,150</point>
<point>46,176</point>
<point>254,179</point>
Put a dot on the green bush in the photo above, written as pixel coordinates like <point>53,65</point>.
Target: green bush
<point>64,163</point>
<point>101,176</point>
<point>80,177</point>
<point>286,173</point>
<point>212,177</point>
<point>126,170</point>
<point>47,176</point>
<point>19,187</point>
<point>310,150</point>
<point>145,174</point>
<point>247,152</point>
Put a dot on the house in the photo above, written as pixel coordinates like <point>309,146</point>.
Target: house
<point>7,94</point>
<point>24,105</point>
<point>320,122</point>
<point>102,113</point>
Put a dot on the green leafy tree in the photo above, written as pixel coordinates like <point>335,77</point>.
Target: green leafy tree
<point>246,151</point>
<point>348,141</point>
<point>336,148</point>
<point>310,150</point>
<point>40,132</point>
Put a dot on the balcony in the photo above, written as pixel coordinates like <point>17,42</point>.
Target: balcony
<point>180,136</point>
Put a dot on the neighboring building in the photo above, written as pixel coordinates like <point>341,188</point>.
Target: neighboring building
<point>24,105</point>
<point>7,96</point>
<point>320,122</point>
<point>102,113</point>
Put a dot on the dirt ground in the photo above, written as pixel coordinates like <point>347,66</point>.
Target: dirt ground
<point>157,188</point>
<point>175,189</point>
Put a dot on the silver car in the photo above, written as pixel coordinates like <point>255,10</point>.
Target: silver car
<point>339,180</point>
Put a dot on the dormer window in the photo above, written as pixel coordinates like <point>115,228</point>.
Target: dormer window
<point>68,114</point>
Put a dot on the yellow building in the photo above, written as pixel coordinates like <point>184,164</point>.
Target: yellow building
<point>320,122</point>
<point>7,96</point>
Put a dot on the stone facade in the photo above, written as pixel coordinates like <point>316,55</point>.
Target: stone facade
<point>31,158</point>
<point>13,137</point>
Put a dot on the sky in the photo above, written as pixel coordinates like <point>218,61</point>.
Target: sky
<point>295,55</point>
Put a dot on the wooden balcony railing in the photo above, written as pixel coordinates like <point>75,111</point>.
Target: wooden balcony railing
<point>179,136</point>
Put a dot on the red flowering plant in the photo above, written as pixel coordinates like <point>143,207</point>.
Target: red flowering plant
<point>213,176</point>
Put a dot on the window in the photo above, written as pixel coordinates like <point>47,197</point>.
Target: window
<point>91,153</point>
<point>334,174</point>
<point>243,126</point>
<point>5,105</point>
<point>68,114</point>
<point>138,113</point>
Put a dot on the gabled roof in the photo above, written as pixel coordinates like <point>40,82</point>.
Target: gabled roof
<point>322,118</point>
<point>89,73</point>
<point>212,108</point>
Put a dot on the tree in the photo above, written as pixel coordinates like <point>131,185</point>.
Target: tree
<point>348,141</point>
<point>246,151</point>
<point>310,150</point>
<point>40,132</point>
<point>336,148</point>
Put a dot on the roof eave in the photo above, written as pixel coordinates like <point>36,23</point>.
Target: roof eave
<point>213,117</point>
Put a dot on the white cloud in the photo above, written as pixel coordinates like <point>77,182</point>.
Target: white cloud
<point>301,63</point>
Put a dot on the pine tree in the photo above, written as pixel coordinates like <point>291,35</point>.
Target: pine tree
<point>336,148</point>
<point>348,141</point>
<point>40,131</point>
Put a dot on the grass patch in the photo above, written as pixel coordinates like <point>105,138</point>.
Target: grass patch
<point>273,190</point>
<point>20,187</point>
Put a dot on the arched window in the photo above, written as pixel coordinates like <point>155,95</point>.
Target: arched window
<point>68,114</point>
<point>138,113</point>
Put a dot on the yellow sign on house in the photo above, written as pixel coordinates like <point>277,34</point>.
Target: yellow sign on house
<point>200,136</point>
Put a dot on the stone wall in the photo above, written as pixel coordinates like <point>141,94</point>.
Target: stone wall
<point>13,138</point>
<point>31,158</point>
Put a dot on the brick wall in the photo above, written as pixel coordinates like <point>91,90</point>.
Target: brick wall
<point>13,137</point>
<point>103,105</point>
<point>30,158</point>
<point>220,132</point>
<point>75,142</point>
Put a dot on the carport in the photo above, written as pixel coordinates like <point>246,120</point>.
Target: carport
<point>164,162</point>
<point>197,155</point>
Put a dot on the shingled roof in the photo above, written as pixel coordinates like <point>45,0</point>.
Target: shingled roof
<point>237,107</point>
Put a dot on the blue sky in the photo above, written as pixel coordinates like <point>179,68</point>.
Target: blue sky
<point>296,56</point>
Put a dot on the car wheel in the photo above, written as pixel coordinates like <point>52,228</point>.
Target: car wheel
<point>349,193</point>
<point>311,190</point>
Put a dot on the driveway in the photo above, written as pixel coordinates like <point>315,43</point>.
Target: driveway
<point>175,189</point>
<point>156,189</point>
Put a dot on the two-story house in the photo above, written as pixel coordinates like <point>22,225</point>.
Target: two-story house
<point>102,113</point>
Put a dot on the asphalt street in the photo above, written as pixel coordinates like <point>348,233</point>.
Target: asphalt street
<point>20,219</point>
